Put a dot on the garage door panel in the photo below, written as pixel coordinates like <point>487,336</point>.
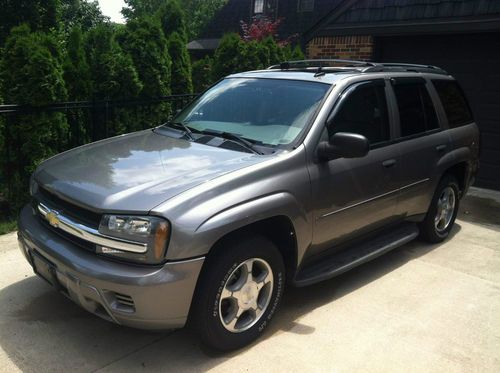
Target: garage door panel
<point>487,154</point>
<point>491,127</point>
<point>490,174</point>
<point>474,60</point>
<point>490,141</point>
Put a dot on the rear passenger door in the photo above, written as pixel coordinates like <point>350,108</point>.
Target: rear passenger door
<point>421,142</point>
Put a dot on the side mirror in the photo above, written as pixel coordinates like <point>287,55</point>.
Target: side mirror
<point>344,145</point>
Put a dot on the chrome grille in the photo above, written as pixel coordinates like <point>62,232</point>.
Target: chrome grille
<point>86,216</point>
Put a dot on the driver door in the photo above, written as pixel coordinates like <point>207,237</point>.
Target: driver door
<point>357,195</point>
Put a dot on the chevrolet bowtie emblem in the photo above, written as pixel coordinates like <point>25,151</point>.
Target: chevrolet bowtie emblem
<point>52,218</point>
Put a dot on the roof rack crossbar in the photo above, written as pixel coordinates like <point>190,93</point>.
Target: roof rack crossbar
<point>318,63</point>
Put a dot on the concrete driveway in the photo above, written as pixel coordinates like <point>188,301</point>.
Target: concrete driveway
<point>419,308</point>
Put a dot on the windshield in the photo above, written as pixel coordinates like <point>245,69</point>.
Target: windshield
<point>266,111</point>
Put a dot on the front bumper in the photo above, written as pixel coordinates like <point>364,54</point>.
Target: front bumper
<point>137,296</point>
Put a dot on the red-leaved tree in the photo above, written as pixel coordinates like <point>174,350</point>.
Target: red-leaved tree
<point>260,28</point>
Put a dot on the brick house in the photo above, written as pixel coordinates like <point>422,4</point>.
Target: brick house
<point>355,47</point>
<point>298,16</point>
<point>461,36</point>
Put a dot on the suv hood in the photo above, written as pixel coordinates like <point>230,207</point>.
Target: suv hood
<point>136,172</point>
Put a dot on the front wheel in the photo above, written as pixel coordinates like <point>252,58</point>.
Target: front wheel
<point>442,212</point>
<point>239,292</point>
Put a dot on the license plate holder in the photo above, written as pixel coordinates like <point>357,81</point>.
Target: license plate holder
<point>45,269</point>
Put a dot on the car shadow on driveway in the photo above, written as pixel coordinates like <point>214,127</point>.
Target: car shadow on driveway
<point>42,330</point>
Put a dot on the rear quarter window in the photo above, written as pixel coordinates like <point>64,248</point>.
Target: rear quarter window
<point>416,111</point>
<point>454,102</point>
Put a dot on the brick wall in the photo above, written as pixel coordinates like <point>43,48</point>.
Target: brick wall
<point>342,47</point>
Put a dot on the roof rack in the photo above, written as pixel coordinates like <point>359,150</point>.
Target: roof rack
<point>324,65</point>
<point>286,65</point>
<point>395,67</point>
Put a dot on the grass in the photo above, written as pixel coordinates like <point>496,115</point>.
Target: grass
<point>8,226</point>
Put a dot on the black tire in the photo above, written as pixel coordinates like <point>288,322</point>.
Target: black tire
<point>220,265</point>
<point>428,230</point>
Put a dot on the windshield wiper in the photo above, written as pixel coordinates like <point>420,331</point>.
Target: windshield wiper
<point>182,126</point>
<point>247,144</point>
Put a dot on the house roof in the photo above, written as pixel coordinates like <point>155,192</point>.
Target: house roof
<point>203,44</point>
<point>228,18</point>
<point>374,17</point>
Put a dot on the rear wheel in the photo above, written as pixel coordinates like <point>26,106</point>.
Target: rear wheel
<point>442,212</point>
<point>239,292</point>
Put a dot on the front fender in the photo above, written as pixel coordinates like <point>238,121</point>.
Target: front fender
<point>279,186</point>
<point>223,222</point>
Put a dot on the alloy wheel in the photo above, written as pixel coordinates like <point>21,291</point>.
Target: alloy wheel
<point>445,209</point>
<point>246,295</point>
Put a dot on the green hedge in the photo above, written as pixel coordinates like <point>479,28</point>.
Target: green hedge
<point>58,50</point>
<point>235,55</point>
<point>31,73</point>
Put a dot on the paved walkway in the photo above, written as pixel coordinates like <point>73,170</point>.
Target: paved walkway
<point>420,308</point>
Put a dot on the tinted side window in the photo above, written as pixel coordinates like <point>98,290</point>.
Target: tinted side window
<point>364,112</point>
<point>416,111</point>
<point>454,102</point>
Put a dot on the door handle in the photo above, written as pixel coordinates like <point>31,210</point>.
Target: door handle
<point>389,163</point>
<point>441,147</point>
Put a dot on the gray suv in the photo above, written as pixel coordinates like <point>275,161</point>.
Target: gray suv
<point>291,175</point>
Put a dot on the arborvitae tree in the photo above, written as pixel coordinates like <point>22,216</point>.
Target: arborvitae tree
<point>229,56</point>
<point>202,74</point>
<point>31,74</point>
<point>173,19</point>
<point>114,77</point>
<point>144,41</point>
<point>40,15</point>
<point>292,54</point>
<point>84,14</point>
<point>50,14</point>
<point>235,55</point>
<point>256,56</point>
<point>173,22</point>
<point>297,53</point>
<point>275,51</point>
<point>200,13</point>
<point>76,69</point>
<point>78,84</point>
<point>181,65</point>
<point>140,8</point>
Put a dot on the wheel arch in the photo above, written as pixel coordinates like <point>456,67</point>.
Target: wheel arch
<point>461,172</point>
<point>458,164</point>
<point>278,229</point>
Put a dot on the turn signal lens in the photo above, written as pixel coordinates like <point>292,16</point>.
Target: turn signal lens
<point>160,241</point>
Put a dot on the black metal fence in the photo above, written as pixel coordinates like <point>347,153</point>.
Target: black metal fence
<point>98,114</point>
<point>26,131</point>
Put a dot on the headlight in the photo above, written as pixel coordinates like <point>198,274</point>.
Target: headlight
<point>150,230</point>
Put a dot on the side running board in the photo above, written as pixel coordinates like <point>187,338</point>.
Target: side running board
<point>356,255</point>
